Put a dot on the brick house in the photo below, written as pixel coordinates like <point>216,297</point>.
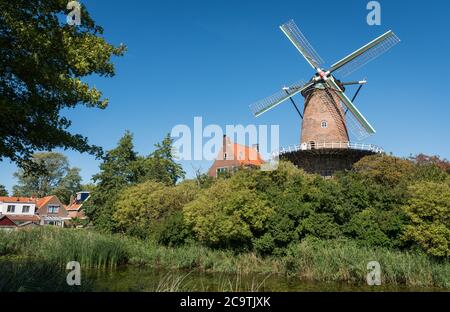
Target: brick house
<point>233,156</point>
<point>51,211</point>
<point>20,210</point>
<point>75,208</point>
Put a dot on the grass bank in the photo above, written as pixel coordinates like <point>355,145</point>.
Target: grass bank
<point>315,260</point>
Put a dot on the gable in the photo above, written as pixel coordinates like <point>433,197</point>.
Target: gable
<point>6,222</point>
<point>51,201</point>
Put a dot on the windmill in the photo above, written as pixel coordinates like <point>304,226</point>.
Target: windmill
<point>329,115</point>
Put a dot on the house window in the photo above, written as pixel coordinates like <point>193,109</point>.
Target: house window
<point>25,209</point>
<point>53,209</point>
<point>11,209</point>
<point>221,171</point>
<point>324,124</point>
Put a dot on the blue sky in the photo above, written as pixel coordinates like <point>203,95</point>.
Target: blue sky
<point>213,58</point>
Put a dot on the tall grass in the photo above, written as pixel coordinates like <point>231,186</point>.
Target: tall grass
<point>201,258</point>
<point>344,260</point>
<point>29,276</point>
<point>90,249</point>
<point>172,282</point>
<point>313,260</point>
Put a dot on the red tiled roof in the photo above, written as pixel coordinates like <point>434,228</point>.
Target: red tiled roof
<point>247,155</point>
<point>24,218</point>
<point>43,201</point>
<point>74,207</point>
<point>6,222</point>
<point>25,200</point>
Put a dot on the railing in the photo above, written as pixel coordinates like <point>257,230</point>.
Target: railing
<point>338,145</point>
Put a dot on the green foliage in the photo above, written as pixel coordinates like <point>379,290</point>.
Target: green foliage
<point>42,64</point>
<point>312,259</point>
<point>60,246</point>
<point>320,225</point>
<point>305,205</point>
<point>428,210</point>
<point>376,227</point>
<point>160,165</point>
<point>69,185</point>
<point>57,178</point>
<point>436,161</point>
<point>346,261</point>
<point>140,208</point>
<point>3,191</point>
<point>121,168</point>
<point>230,213</point>
<point>385,170</point>
<point>432,172</point>
<point>173,230</point>
<point>115,174</point>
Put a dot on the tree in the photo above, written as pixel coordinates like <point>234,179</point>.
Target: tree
<point>428,210</point>
<point>122,168</point>
<point>69,185</point>
<point>160,165</point>
<point>430,168</point>
<point>3,191</point>
<point>42,63</point>
<point>57,178</point>
<point>116,173</point>
<point>423,159</point>
<point>385,170</point>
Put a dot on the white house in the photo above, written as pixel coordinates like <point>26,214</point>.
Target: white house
<point>19,209</point>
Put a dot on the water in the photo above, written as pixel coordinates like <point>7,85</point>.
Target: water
<point>142,279</point>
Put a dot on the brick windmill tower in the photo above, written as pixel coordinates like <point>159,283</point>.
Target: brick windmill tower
<point>329,116</point>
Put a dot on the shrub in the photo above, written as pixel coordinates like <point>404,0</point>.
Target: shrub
<point>304,205</point>
<point>428,210</point>
<point>140,208</point>
<point>376,228</point>
<point>173,231</point>
<point>230,213</point>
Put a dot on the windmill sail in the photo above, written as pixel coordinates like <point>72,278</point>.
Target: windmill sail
<point>361,120</point>
<point>364,55</point>
<point>267,104</point>
<point>297,38</point>
<point>337,109</point>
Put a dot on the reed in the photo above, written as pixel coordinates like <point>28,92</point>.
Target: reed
<point>90,249</point>
<point>345,260</point>
<point>30,276</point>
<point>312,259</point>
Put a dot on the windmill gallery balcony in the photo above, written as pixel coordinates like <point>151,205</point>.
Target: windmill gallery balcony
<point>327,158</point>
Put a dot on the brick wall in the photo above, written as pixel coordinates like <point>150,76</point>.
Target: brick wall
<point>317,111</point>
